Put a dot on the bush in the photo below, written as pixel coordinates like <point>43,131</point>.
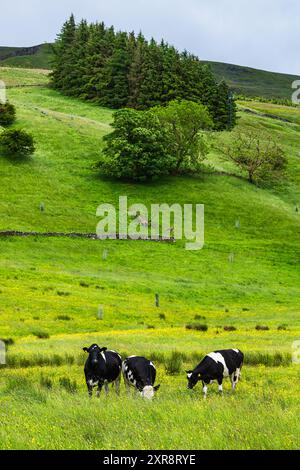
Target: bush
<point>17,143</point>
<point>229,328</point>
<point>173,363</point>
<point>41,334</point>
<point>68,385</point>
<point>262,328</point>
<point>7,114</point>
<point>196,326</point>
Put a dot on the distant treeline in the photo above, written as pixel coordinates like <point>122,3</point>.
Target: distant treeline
<point>119,69</point>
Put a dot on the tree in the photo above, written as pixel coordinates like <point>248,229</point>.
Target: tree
<point>136,149</point>
<point>117,69</point>
<point>7,114</point>
<point>258,156</point>
<point>17,142</point>
<point>115,87</point>
<point>184,121</point>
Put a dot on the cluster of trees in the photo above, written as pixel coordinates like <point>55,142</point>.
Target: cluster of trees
<point>175,139</point>
<point>161,141</point>
<point>117,70</point>
<point>13,142</point>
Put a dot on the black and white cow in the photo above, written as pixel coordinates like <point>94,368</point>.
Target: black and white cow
<point>102,368</point>
<point>140,373</point>
<point>216,366</point>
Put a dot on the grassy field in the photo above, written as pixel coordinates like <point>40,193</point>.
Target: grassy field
<point>246,276</point>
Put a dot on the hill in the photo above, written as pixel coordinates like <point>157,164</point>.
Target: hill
<point>243,80</point>
<point>36,57</point>
<point>254,82</point>
<point>51,289</point>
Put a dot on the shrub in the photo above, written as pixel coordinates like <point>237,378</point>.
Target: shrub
<point>199,317</point>
<point>196,326</point>
<point>262,328</point>
<point>17,142</point>
<point>173,364</point>
<point>229,328</point>
<point>41,334</point>
<point>62,293</point>
<point>282,327</point>
<point>63,318</point>
<point>7,114</point>
<point>68,385</point>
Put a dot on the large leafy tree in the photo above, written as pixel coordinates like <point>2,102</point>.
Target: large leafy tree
<point>185,122</point>
<point>136,149</point>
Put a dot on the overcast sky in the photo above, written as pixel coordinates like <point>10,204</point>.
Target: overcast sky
<point>259,33</point>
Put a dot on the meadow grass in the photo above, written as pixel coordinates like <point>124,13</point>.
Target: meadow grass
<point>261,414</point>
<point>245,278</point>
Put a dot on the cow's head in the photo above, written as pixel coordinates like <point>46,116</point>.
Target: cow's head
<point>94,352</point>
<point>193,378</point>
<point>149,391</point>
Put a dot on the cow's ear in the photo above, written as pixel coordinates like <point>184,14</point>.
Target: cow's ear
<point>156,388</point>
<point>85,349</point>
<point>103,349</point>
<point>189,371</point>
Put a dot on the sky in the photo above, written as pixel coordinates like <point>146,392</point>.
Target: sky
<point>263,34</point>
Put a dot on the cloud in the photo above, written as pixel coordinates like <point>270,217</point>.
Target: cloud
<point>259,34</point>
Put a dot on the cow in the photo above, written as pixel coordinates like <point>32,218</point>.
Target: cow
<point>140,373</point>
<point>102,368</point>
<point>216,366</point>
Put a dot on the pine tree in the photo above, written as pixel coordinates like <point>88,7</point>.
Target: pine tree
<point>135,76</point>
<point>115,88</point>
<point>63,51</point>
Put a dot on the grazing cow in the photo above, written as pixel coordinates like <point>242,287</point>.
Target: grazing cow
<point>102,368</point>
<point>140,373</point>
<point>216,366</point>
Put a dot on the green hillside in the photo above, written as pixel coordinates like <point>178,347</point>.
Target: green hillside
<point>36,57</point>
<point>244,80</point>
<point>51,289</point>
<point>253,82</point>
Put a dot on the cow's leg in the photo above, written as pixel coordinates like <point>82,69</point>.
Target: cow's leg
<point>106,387</point>
<point>220,381</point>
<point>236,376</point>
<point>90,389</point>
<point>117,384</point>
<point>100,385</point>
<point>204,389</point>
<point>127,386</point>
